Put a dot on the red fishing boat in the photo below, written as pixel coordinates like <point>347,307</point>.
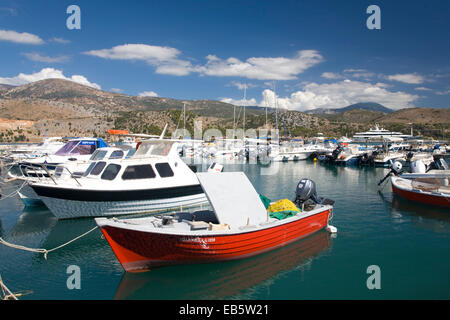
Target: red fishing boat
<point>425,190</point>
<point>238,226</point>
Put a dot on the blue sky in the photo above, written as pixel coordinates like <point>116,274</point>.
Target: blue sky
<point>315,53</point>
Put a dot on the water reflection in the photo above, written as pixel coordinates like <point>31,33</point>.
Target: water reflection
<point>33,221</point>
<point>220,280</point>
<point>428,217</point>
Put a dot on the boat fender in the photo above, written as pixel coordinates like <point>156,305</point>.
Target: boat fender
<point>331,229</point>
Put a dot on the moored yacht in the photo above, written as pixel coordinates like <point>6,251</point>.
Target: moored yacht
<point>379,133</point>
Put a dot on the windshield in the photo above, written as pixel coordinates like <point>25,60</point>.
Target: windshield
<point>154,148</point>
<point>83,149</point>
<point>98,155</point>
<point>66,148</point>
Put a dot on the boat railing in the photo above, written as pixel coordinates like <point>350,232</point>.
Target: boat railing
<point>42,176</point>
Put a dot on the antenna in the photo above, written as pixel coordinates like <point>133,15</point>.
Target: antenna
<point>276,105</point>
<point>245,101</point>
<point>184,115</point>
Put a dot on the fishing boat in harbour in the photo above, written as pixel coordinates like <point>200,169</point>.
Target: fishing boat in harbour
<point>426,190</point>
<point>238,226</point>
<point>154,179</point>
<point>429,187</point>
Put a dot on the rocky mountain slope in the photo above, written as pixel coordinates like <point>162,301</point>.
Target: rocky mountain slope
<point>61,107</point>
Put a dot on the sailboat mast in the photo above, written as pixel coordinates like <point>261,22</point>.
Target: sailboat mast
<point>276,106</point>
<point>184,115</point>
<point>245,100</point>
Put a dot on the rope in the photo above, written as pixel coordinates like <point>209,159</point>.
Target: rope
<point>40,250</point>
<point>14,192</point>
<point>7,294</point>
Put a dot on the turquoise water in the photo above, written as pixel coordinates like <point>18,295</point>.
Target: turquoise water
<point>409,242</point>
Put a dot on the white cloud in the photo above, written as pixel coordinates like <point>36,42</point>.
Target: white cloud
<point>423,89</point>
<point>242,102</point>
<point>338,95</point>
<point>46,73</point>
<point>261,68</point>
<point>331,75</point>
<point>442,93</point>
<point>241,86</point>
<point>359,73</point>
<point>116,90</point>
<point>410,78</point>
<point>59,40</point>
<point>40,58</point>
<point>24,37</point>
<point>148,94</point>
<point>167,60</point>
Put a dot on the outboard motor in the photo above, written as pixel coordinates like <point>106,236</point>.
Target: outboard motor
<point>306,195</point>
<point>418,167</point>
<point>336,152</point>
<point>396,169</point>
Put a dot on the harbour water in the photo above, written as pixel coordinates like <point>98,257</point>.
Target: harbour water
<point>409,242</point>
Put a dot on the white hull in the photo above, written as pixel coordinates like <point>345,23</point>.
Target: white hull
<point>66,209</point>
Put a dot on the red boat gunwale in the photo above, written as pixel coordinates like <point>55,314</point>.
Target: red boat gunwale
<point>423,197</point>
<point>139,250</point>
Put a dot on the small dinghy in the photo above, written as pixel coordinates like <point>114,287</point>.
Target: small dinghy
<point>426,190</point>
<point>429,187</point>
<point>238,226</point>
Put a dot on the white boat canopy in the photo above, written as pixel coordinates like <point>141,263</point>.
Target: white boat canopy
<point>233,198</point>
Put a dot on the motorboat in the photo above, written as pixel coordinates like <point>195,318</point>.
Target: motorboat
<point>29,151</point>
<point>348,155</point>
<point>290,151</point>
<point>78,149</point>
<point>154,179</point>
<point>429,187</point>
<point>238,226</point>
<point>69,170</point>
<point>426,190</point>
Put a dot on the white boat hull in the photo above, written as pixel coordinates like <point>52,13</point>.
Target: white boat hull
<point>67,209</point>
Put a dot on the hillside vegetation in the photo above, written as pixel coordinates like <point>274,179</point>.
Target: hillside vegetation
<point>56,107</point>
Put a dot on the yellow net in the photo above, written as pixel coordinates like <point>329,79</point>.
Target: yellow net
<point>283,205</point>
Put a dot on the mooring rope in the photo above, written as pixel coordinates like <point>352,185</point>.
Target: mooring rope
<point>6,293</point>
<point>14,192</point>
<point>40,250</point>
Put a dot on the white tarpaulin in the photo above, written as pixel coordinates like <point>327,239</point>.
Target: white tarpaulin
<point>233,198</point>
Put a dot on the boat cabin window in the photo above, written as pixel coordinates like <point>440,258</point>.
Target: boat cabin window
<point>98,168</point>
<point>130,153</point>
<point>154,148</point>
<point>89,169</point>
<point>164,170</point>
<point>85,147</point>
<point>111,171</point>
<point>98,155</point>
<point>118,154</point>
<point>144,171</point>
